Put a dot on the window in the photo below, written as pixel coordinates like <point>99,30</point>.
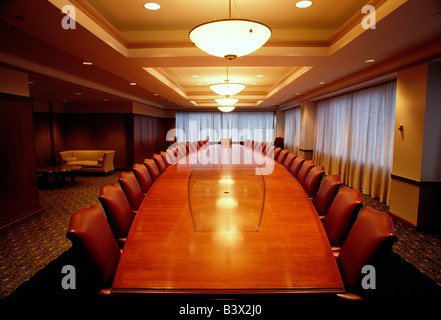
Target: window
<point>354,137</point>
<point>292,130</point>
<point>238,126</point>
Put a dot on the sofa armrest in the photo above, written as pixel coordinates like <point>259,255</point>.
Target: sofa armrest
<point>108,161</point>
<point>64,155</point>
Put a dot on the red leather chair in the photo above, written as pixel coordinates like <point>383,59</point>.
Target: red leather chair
<point>371,236</point>
<point>164,156</point>
<point>326,193</point>
<point>143,177</point>
<point>118,211</point>
<point>312,181</point>
<point>162,167</point>
<point>278,142</point>
<point>276,153</point>
<point>247,143</point>
<point>131,188</point>
<point>171,158</point>
<point>258,146</point>
<point>282,156</point>
<point>342,215</point>
<point>304,170</point>
<point>289,160</point>
<point>152,168</point>
<point>90,233</point>
<point>264,147</point>
<point>270,151</point>
<point>296,165</point>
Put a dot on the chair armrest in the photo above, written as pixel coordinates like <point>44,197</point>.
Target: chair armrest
<point>108,160</point>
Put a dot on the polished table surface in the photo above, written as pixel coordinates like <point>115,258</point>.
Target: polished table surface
<point>235,223</point>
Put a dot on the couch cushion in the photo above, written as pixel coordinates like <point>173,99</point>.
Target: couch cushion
<point>84,163</point>
<point>88,154</point>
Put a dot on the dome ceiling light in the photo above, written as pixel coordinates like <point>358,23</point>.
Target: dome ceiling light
<point>230,38</point>
<point>227,88</point>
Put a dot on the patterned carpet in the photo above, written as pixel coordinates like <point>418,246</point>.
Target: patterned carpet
<point>32,245</point>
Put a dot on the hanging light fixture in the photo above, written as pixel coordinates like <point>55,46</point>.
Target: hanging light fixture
<point>227,88</point>
<point>226,101</point>
<point>226,109</point>
<point>230,38</point>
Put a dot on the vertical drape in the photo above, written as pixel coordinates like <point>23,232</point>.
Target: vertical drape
<point>292,130</point>
<point>354,138</point>
<point>238,126</point>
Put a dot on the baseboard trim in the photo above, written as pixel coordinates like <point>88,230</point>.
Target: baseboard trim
<point>26,216</point>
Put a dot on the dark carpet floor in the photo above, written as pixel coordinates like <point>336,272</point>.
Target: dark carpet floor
<point>33,253</point>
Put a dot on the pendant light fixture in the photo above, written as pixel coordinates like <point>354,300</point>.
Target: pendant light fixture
<point>227,88</point>
<point>226,104</point>
<point>230,38</point>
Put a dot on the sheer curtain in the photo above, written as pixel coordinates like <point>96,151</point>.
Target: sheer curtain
<point>354,138</point>
<point>292,130</point>
<point>238,126</point>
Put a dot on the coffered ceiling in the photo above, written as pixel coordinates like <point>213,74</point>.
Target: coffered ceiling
<point>146,56</point>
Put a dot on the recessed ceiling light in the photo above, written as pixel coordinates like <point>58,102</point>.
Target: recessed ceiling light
<point>195,76</point>
<point>200,83</point>
<point>87,63</point>
<point>322,82</point>
<point>303,4</point>
<point>253,83</point>
<point>260,76</point>
<point>152,6</point>
<point>156,94</point>
<point>370,60</point>
<point>133,83</point>
<point>78,93</point>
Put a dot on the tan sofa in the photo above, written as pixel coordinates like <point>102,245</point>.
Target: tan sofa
<point>90,160</point>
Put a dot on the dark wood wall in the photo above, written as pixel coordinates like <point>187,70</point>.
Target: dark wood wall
<point>148,136</point>
<point>18,187</point>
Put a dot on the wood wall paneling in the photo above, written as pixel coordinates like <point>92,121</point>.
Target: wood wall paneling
<point>18,188</point>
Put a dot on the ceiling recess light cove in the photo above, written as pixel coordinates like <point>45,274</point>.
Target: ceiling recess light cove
<point>230,38</point>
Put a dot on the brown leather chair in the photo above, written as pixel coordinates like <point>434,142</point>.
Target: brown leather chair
<point>118,211</point>
<point>296,165</point>
<point>270,151</point>
<point>143,177</point>
<point>371,236</point>
<point>326,193</point>
<point>264,147</point>
<point>304,170</point>
<point>171,158</point>
<point>258,146</point>
<point>342,215</point>
<point>289,160</point>
<point>276,153</point>
<point>278,142</point>
<point>247,143</point>
<point>90,233</point>
<point>312,181</point>
<point>131,188</point>
<point>282,156</point>
<point>165,157</point>
<point>162,167</point>
<point>152,168</point>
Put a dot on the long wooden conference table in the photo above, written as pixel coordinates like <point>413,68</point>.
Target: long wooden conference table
<point>227,221</point>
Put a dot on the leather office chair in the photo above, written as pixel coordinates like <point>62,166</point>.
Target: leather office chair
<point>304,170</point>
<point>152,168</point>
<point>162,167</point>
<point>282,156</point>
<point>296,165</point>
<point>278,142</point>
<point>165,158</point>
<point>90,233</point>
<point>289,160</point>
<point>118,211</point>
<point>313,180</point>
<point>371,236</point>
<point>326,193</point>
<point>276,153</point>
<point>171,158</point>
<point>258,146</point>
<point>143,176</point>
<point>341,216</point>
<point>131,188</point>
<point>270,151</point>
<point>264,148</point>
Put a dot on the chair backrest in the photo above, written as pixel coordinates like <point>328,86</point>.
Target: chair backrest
<point>270,151</point>
<point>278,142</point>
<point>276,152</point>
<point>258,146</point>
<point>312,181</point>
<point>162,167</point>
<point>247,142</point>
<point>282,156</point>
<point>90,233</point>
<point>131,189</point>
<point>371,236</point>
<point>118,211</point>
<point>304,170</point>
<point>289,160</point>
<point>152,168</point>
<point>165,158</point>
<point>342,215</point>
<point>143,176</point>
<point>326,193</point>
<point>171,157</point>
<point>296,165</point>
